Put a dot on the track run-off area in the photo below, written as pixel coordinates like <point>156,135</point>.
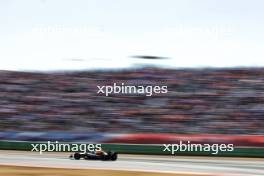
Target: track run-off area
<point>161,165</point>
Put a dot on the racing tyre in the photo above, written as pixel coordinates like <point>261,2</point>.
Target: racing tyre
<point>77,156</point>
<point>113,156</point>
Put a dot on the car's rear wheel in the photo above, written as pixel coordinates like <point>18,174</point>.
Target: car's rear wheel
<point>114,156</point>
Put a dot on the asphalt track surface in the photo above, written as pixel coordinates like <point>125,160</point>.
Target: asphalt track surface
<point>216,166</point>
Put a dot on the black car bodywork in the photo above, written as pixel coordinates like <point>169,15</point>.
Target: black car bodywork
<point>105,156</point>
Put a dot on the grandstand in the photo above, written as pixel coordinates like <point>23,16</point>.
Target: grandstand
<point>215,101</point>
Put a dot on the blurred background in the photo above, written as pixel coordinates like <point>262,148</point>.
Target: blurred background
<point>209,53</point>
<point>66,106</point>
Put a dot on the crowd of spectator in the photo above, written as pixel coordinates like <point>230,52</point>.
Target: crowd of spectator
<point>224,101</point>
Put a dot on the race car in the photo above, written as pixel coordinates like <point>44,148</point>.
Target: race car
<point>97,155</point>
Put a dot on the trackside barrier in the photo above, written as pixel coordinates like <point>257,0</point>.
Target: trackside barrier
<point>145,149</point>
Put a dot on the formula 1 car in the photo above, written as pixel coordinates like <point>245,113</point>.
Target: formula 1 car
<point>98,155</point>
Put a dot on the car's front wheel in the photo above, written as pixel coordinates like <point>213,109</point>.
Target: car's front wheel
<point>77,156</point>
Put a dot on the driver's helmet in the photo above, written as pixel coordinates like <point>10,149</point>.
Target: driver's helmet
<point>99,152</point>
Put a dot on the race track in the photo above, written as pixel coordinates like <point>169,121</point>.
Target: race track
<point>164,164</point>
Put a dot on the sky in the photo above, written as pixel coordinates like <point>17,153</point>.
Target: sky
<point>92,34</point>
